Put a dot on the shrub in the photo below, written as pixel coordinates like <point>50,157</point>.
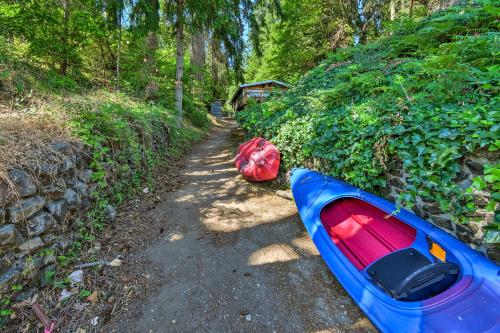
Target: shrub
<point>423,96</point>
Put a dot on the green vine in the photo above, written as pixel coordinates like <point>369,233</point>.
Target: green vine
<point>421,99</point>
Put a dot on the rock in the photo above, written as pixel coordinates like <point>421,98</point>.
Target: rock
<point>25,208</point>
<point>24,185</point>
<point>53,192</point>
<point>421,212</point>
<point>442,221</point>
<point>12,275</point>
<point>397,173</point>
<point>72,198</point>
<point>32,268</point>
<point>67,165</point>
<point>85,175</point>
<point>461,176</point>
<point>396,182</point>
<point>111,211</point>
<point>50,237</point>
<point>40,223</point>
<point>464,233</point>
<point>431,208</point>
<point>85,203</point>
<point>115,263</point>
<point>481,198</point>
<point>8,235</point>
<point>2,216</point>
<point>493,252</point>
<point>81,188</point>
<point>465,184</point>
<point>47,169</point>
<point>62,147</point>
<point>31,245</point>
<point>24,295</point>
<point>4,193</point>
<point>58,209</point>
<point>77,158</point>
<point>76,276</point>
<point>64,244</point>
<point>474,167</point>
<point>69,181</point>
<point>65,294</point>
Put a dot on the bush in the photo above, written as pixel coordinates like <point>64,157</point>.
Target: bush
<point>424,97</point>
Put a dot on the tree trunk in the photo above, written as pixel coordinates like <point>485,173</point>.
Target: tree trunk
<point>179,44</point>
<point>150,65</point>
<point>215,68</point>
<point>393,10</point>
<point>411,8</point>
<point>119,51</point>
<point>198,56</point>
<point>65,60</point>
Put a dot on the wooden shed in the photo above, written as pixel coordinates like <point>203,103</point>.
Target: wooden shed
<point>216,108</point>
<point>258,91</point>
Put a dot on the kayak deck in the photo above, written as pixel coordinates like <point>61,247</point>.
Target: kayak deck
<point>363,232</point>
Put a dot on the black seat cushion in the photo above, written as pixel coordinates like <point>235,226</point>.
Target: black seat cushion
<point>407,275</point>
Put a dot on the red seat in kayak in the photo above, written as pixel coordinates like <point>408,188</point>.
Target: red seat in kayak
<point>258,160</point>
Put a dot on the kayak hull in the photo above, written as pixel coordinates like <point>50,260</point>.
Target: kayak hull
<point>469,305</point>
<point>258,160</point>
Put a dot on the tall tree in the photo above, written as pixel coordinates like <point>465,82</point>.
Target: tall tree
<point>179,60</point>
<point>146,23</point>
<point>224,20</point>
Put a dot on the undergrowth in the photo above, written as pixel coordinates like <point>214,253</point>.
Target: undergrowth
<point>423,96</point>
<point>127,139</point>
<point>124,137</point>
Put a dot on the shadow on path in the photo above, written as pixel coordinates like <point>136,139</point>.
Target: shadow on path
<point>236,258</point>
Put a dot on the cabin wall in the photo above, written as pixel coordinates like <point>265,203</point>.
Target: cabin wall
<point>242,99</point>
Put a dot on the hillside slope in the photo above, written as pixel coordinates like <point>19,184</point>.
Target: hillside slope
<point>413,116</point>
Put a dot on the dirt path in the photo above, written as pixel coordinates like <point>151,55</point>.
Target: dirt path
<point>234,257</point>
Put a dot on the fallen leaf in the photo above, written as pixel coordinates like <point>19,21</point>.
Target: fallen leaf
<point>93,297</point>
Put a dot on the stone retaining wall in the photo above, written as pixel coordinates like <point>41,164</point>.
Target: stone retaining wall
<point>471,233</point>
<point>41,214</point>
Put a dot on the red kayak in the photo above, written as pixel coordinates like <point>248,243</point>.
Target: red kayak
<point>258,160</point>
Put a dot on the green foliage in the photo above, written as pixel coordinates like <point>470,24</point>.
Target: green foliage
<point>198,117</point>
<point>5,310</point>
<point>421,98</point>
<point>84,294</point>
<point>127,140</point>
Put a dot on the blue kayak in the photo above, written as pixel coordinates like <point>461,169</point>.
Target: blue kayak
<point>404,273</point>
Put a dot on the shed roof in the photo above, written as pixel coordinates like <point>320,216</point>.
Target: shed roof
<point>246,85</point>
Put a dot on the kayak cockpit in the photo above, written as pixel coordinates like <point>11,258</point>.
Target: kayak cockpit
<point>363,232</point>
<point>379,245</point>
